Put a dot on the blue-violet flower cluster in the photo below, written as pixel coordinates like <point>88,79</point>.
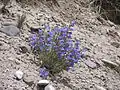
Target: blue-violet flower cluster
<point>59,50</point>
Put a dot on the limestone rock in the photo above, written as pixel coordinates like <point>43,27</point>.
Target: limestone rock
<point>10,30</point>
<point>18,74</point>
<point>43,82</point>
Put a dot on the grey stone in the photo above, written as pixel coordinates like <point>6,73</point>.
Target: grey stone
<point>43,82</point>
<point>49,87</point>
<point>108,62</point>
<point>115,44</point>
<point>7,23</point>
<point>90,64</point>
<point>118,62</point>
<point>32,25</point>
<point>17,62</point>
<point>10,30</point>
<point>28,79</point>
<point>18,74</point>
<point>23,49</point>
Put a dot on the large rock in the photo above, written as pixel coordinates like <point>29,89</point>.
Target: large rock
<point>10,30</point>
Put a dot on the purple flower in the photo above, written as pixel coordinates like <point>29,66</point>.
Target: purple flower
<point>73,23</point>
<point>33,41</point>
<point>51,33</point>
<point>56,29</point>
<point>41,40</point>
<point>64,34</point>
<point>68,68</point>
<point>41,48</point>
<point>34,37</point>
<point>71,64</point>
<point>57,42</point>
<point>77,43</point>
<point>49,39</point>
<point>60,38</point>
<point>49,46</point>
<point>69,58</point>
<point>83,52</point>
<point>69,35</point>
<point>61,42</point>
<point>40,31</point>
<point>64,29</point>
<point>72,28</point>
<point>74,60</point>
<point>56,48</point>
<point>70,42</point>
<point>60,54</point>
<point>43,72</point>
<point>47,27</point>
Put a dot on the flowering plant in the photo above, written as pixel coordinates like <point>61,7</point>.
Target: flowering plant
<point>56,49</point>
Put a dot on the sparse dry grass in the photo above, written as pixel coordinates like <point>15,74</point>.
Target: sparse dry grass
<point>29,2</point>
<point>109,9</point>
<point>36,2</point>
<point>3,10</point>
<point>21,20</point>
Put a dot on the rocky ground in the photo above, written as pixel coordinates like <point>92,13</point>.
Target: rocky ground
<point>98,70</point>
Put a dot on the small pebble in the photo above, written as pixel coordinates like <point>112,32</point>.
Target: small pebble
<point>23,49</point>
<point>99,87</point>
<point>90,64</point>
<point>115,44</point>
<point>29,79</point>
<point>118,62</point>
<point>108,62</point>
<point>43,82</point>
<point>49,87</point>
<point>18,74</point>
